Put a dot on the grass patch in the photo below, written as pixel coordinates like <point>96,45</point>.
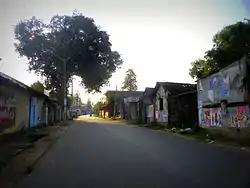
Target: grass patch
<point>154,126</point>
<point>224,136</point>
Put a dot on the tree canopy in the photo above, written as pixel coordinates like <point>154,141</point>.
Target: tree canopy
<point>130,81</point>
<point>98,106</point>
<point>70,100</point>
<point>76,38</point>
<point>229,45</point>
<point>38,86</point>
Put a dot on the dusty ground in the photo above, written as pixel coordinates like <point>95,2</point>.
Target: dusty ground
<point>20,152</point>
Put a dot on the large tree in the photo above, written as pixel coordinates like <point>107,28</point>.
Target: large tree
<point>230,44</point>
<point>38,86</point>
<point>98,106</point>
<point>74,38</point>
<point>130,81</point>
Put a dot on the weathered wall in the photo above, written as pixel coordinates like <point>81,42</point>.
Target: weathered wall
<point>7,112</point>
<point>133,109</point>
<point>150,110</point>
<point>41,110</point>
<point>161,115</point>
<point>40,103</point>
<point>183,110</point>
<point>230,117</point>
<point>224,85</point>
<point>20,103</point>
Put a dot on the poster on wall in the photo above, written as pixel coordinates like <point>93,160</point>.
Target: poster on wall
<point>161,116</point>
<point>157,115</point>
<point>164,116</point>
<point>210,94</point>
<point>239,116</point>
<point>207,117</point>
<point>216,117</point>
<point>7,112</point>
<point>212,117</point>
<point>150,111</point>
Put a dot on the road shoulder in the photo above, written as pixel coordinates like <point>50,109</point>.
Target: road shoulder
<point>23,163</point>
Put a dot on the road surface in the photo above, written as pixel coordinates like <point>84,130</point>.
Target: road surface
<point>104,155</point>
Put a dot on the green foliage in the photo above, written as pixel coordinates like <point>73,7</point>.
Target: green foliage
<point>130,81</point>
<point>230,44</point>
<point>109,97</point>
<point>70,100</point>
<point>98,106</point>
<point>75,38</point>
<point>38,86</point>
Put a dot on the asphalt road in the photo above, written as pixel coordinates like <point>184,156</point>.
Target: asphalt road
<point>100,155</point>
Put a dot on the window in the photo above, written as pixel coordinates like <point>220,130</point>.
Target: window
<point>161,103</point>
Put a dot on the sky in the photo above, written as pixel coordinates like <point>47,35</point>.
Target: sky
<point>157,38</point>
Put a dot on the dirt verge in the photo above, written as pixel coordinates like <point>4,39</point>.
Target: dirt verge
<point>23,163</point>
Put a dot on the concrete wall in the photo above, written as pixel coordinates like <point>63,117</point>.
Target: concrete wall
<point>150,113</point>
<point>183,110</point>
<point>237,116</point>
<point>224,85</point>
<point>21,105</point>
<point>161,115</point>
<point>40,109</point>
<point>133,111</point>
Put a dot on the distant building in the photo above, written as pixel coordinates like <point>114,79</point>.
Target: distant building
<point>148,107</point>
<point>116,102</point>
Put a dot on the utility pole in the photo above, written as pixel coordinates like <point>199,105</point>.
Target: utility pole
<point>115,102</point>
<point>77,99</point>
<point>65,89</point>
<point>65,82</point>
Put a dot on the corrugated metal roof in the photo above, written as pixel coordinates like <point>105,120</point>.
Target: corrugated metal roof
<point>14,81</point>
<point>125,94</point>
<point>149,91</point>
<point>9,79</point>
<point>176,88</point>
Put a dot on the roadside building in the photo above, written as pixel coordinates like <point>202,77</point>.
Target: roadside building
<point>223,98</point>
<point>22,107</point>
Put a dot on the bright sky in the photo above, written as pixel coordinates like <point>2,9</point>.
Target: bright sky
<point>157,38</point>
